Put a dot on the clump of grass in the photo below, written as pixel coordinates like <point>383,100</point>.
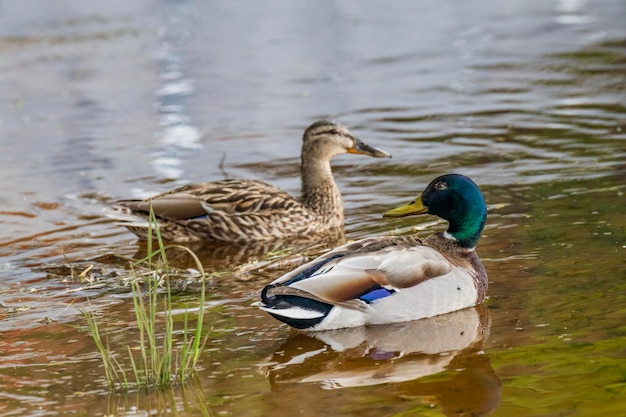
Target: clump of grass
<point>159,364</point>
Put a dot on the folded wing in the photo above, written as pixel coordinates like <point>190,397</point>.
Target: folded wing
<point>365,270</point>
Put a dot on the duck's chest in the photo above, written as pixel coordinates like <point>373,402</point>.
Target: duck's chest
<point>327,205</point>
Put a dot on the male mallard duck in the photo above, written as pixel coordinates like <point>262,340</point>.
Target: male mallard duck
<point>240,211</point>
<point>392,278</point>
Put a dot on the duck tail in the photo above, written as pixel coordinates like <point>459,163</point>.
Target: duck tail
<point>268,300</point>
<point>295,310</point>
<point>126,217</point>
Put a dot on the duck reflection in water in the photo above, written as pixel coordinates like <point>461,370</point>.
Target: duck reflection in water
<point>243,258</point>
<point>401,355</point>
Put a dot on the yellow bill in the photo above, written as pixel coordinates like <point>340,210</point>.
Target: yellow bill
<point>414,207</point>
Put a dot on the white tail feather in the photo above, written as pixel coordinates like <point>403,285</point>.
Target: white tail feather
<point>125,217</point>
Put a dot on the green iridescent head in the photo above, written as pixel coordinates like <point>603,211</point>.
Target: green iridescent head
<point>455,198</point>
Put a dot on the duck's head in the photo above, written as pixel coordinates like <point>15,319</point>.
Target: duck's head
<point>325,139</point>
<point>455,198</point>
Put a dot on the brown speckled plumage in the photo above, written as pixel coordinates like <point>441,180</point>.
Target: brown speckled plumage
<point>240,210</point>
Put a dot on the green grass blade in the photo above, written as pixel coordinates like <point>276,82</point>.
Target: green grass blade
<point>158,363</point>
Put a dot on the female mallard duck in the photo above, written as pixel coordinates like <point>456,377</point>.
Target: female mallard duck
<point>240,211</point>
<point>392,278</point>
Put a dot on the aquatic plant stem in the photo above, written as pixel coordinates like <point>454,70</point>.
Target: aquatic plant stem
<point>158,363</point>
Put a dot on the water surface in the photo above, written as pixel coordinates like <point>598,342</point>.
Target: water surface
<point>122,99</point>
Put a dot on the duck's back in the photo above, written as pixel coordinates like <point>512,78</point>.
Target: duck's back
<point>238,196</point>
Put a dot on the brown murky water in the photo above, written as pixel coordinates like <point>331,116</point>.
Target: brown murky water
<point>105,100</point>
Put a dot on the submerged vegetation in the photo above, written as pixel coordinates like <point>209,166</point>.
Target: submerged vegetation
<point>156,361</point>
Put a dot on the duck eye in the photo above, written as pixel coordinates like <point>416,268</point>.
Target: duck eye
<point>441,185</point>
<point>333,132</point>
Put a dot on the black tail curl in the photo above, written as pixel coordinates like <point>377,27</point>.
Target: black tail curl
<point>268,300</point>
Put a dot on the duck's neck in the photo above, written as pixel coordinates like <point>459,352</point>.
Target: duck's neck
<point>320,194</point>
<point>466,228</point>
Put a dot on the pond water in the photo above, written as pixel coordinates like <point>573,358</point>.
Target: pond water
<point>118,99</point>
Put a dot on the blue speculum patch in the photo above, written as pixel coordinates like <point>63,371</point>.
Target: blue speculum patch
<point>376,294</point>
